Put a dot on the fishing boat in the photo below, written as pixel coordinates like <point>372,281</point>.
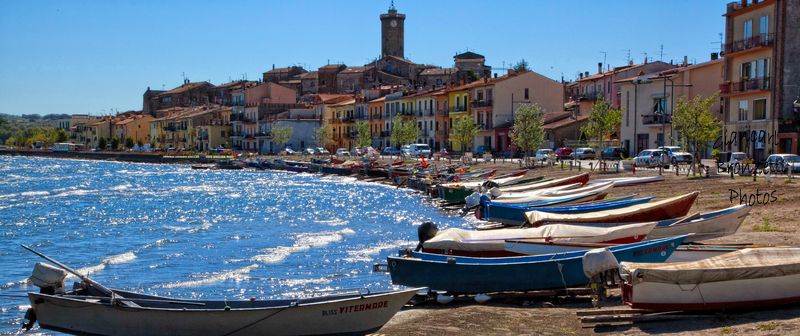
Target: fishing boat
<point>514,214</point>
<point>669,208</point>
<point>703,226</point>
<point>630,181</point>
<point>580,178</point>
<point>744,279</point>
<point>456,193</point>
<point>464,275</point>
<point>93,309</point>
<point>583,193</point>
<point>336,170</point>
<point>492,243</point>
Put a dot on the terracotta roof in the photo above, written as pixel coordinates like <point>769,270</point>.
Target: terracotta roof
<point>481,82</point>
<point>310,75</point>
<point>356,69</point>
<point>468,55</point>
<point>438,71</point>
<point>564,122</point>
<point>345,103</point>
<point>378,99</point>
<point>327,98</point>
<point>332,66</point>
<point>231,84</point>
<point>291,81</point>
<point>185,87</point>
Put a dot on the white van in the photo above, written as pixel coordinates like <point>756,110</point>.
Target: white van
<point>417,150</point>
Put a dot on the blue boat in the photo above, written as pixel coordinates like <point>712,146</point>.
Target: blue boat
<point>514,214</point>
<point>464,275</point>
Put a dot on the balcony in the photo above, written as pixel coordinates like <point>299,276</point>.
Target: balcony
<point>264,134</point>
<point>386,134</point>
<point>656,119</point>
<point>757,84</point>
<point>459,109</point>
<point>406,112</point>
<point>377,116</point>
<point>442,112</point>
<point>588,96</point>
<point>481,103</point>
<point>361,117</point>
<point>758,41</point>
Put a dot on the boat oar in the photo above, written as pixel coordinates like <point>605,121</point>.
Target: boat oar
<point>84,278</point>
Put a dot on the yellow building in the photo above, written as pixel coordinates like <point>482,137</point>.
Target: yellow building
<point>342,123</point>
<point>134,126</point>
<point>458,108</point>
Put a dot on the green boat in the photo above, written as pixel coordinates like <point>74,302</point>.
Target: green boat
<point>458,194</point>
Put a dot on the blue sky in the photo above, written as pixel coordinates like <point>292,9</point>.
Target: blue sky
<point>100,56</point>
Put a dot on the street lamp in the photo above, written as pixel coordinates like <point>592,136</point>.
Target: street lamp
<point>671,106</point>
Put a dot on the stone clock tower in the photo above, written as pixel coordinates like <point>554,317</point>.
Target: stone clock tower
<point>392,33</point>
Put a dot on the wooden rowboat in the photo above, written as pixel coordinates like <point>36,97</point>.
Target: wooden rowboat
<point>749,278</point>
<point>653,211</point>
<point>93,309</point>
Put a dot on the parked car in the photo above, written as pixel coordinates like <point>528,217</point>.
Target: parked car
<point>342,152</point>
<point>782,163</point>
<point>728,160</point>
<point>288,151</point>
<point>481,150</point>
<point>652,158</point>
<point>308,151</point>
<point>545,154</point>
<point>321,151</point>
<point>417,150</point>
<point>614,153</point>
<point>390,151</point>
<point>677,155</point>
<point>584,153</point>
<point>564,153</point>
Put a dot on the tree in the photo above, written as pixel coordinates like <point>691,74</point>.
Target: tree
<point>527,133</point>
<point>102,143</point>
<point>363,136</point>
<point>521,66</point>
<point>192,133</point>
<point>281,135</point>
<point>404,132</point>
<point>324,136</point>
<point>604,120</point>
<point>463,133</point>
<point>114,143</point>
<point>12,141</point>
<point>695,122</point>
<point>129,143</point>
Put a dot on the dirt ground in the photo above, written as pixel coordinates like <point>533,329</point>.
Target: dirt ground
<point>773,223</point>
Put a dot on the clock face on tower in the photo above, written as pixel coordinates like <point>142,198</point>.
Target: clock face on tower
<point>393,23</point>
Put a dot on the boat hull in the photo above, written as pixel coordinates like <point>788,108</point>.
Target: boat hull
<point>722,295</point>
<point>715,224</point>
<point>349,315</point>
<point>487,275</point>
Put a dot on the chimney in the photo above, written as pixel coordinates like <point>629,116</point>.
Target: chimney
<point>599,67</point>
<point>495,75</point>
<point>485,80</point>
<point>273,66</point>
<point>630,62</point>
<point>645,60</point>
<point>744,3</point>
<point>586,74</point>
<point>714,56</point>
<point>685,60</point>
<point>580,75</point>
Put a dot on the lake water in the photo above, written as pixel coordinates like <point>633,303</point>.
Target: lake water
<point>170,230</point>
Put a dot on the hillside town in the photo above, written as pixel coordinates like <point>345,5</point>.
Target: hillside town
<point>754,74</point>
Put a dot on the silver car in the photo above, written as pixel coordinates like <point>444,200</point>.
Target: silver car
<point>652,158</point>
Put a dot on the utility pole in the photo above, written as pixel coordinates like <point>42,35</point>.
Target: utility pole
<point>605,56</point>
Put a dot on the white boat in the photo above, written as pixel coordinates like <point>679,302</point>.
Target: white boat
<point>581,178</point>
<point>709,225</point>
<point>682,254</point>
<point>629,181</point>
<point>586,193</point>
<point>493,242</point>
<point>749,278</point>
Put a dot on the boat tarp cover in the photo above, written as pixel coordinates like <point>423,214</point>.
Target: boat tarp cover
<point>751,263</point>
<point>597,261</point>
<point>494,240</point>
<point>606,216</point>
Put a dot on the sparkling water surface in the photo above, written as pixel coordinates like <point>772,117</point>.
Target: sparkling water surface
<point>170,230</point>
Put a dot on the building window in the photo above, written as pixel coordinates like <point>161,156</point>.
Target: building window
<point>659,106</point>
<point>742,110</point>
<point>763,26</point>
<point>748,29</point>
<point>526,94</point>
<point>627,108</point>
<point>759,109</point>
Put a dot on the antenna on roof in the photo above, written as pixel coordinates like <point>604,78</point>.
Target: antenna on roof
<point>605,56</point>
<point>661,53</point>
<point>718,43</point>
<point>627,55</point>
